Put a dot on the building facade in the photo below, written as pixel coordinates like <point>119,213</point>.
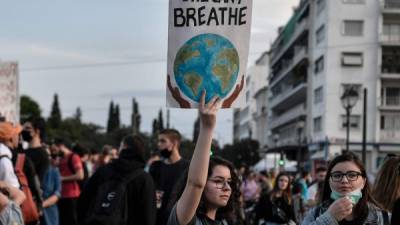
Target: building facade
<point>326,48</point>
<point>250,121</point>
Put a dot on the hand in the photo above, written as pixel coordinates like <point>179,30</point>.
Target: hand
<point>228,101</point>
<point>177,94</point>
<point>209,111</point>
<point>341,208</point>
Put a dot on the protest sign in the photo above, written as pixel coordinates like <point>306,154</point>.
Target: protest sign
<point>208,46</point>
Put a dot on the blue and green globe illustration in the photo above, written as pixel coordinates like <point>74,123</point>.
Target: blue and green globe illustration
<point>207,61</point>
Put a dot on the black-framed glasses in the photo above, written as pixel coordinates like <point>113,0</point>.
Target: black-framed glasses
<point>220,184</point>
<point>351,176</point>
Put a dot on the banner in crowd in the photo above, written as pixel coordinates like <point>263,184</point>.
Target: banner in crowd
<point>208,47</point>
<point>9,96</point>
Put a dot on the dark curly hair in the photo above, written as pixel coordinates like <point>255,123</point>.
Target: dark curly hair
<point>227,212</point>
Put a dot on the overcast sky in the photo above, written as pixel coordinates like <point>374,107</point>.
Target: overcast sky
<point>92,52</point>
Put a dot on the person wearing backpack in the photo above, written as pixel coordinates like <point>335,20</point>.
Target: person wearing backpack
<point>71,173</point>
<point>120,192</point>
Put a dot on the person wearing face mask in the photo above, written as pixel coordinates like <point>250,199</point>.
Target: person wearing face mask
<point>167,171</point>
<point>33,133</point>
<point>346,197</point>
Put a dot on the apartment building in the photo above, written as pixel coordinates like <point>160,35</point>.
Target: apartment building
<point>324,49</point>
<point>250,121</point>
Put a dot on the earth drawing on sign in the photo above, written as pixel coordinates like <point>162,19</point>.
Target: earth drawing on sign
<point>207,61</point>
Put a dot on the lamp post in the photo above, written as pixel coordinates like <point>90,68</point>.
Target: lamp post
<point>300,125</point>
<point>276,138</point>
<point>349,100</point>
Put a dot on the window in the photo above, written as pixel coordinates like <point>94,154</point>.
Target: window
<point>393,96</point>
<point>318,95</point>
<point>320,34</point>
<point>320,6</point>
<point>390,122</point>
<point>317,124</point>
<point>319,65</point>
<point>352,59</point>
<point>353,28</point>
<point>354,121</point>
<point>354,1</point>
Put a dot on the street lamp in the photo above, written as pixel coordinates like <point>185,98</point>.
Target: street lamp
<point>276,138</point>
<point>300,125</point>
<point>349,100</point>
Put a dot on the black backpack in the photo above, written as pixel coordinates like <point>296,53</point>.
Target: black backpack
<point>109,206</point>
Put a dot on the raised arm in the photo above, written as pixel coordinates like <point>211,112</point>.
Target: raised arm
<point>197,177</point>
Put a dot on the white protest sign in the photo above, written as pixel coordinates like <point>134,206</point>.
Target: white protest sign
<point>9,97</point>
<point>208,47</point>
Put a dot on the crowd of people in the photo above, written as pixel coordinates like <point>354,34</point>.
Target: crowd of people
<point>57,184</point>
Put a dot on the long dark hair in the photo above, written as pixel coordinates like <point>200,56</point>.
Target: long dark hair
<point>226,212</point>
<point>361,208</point>
<point>286,194</point>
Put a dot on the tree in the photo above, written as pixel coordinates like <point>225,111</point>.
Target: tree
<point>242,152</point>
<point>135,118</point>
<point>160,121</point>
<point>110,120</point>
<point>55,114</point>
<point>29,108</point>
<point>116,118</point>
<point>78,114</point>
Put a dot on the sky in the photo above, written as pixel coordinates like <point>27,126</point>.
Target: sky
<point>92,52</point>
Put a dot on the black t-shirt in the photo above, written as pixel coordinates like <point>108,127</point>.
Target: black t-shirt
<point>165,177</point>
<point>40,159</point>
<point>396,212</point>
<point>267,209</point>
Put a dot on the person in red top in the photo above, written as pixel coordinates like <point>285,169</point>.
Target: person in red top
<point>71,172</point>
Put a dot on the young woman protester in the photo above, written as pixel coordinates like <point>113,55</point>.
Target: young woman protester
<point>276,207</point>
<point>211,187</point>
<point>387,187</point>
<point>346,197</point>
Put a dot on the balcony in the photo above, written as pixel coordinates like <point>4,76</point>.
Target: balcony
<point>288,116</point>
<point>390,6</point>
<point>290,97</point>
<point>390,71</point>
<point>300,54</point>
<point>390,136</point>
<point>302,27</point>
<point>390,39</point>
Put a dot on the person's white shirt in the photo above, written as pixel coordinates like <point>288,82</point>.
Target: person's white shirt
<point>7,173</point>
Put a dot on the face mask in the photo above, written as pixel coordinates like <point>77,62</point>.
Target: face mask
<point>26,135</point>
<point>165,153</point>
<point>354,196</point>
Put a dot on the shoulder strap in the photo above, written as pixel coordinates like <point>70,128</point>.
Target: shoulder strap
<point>4,156</point>
<point>385,217</point>
<point>132,176</point>
<point>19,165</point>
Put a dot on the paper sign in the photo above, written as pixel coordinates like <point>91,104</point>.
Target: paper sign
<point>208,47</point>
<point>9,97</point>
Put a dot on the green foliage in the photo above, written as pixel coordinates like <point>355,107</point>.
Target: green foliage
<point>113,122</point>
<point>55,114</point>
<point>241,152</point>
<point>29,108</point>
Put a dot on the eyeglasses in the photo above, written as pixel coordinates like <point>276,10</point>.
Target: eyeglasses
<point>220,184</point>
<point>351,176</point>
